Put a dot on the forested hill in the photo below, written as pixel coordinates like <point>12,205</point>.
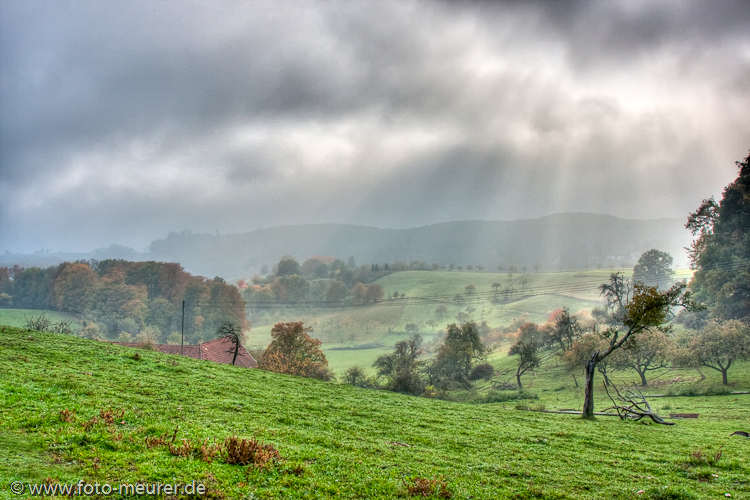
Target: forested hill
<point>552,242</point>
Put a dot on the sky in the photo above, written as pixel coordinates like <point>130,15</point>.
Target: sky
<point>123,121</point>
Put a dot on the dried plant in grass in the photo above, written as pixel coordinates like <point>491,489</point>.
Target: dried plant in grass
<point>110,415</point>
<point>208,451</point>
<point>87,425</point>
<point>153,442</point>
<point>67,415</point>
<point>185,449</point>
<point>423,487</point>
<point>249,452</point>
<point>699,457</point>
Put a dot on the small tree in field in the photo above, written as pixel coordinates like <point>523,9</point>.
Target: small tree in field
<point>565,330</point>
<point>402,367</point>
<point>461,347</point>
<point>356,376</point>
<point>634,309</point>
<point>651,351</point>
<point>293,351</point>
<point>412,328</point>
<point>718,345</point>
<point>232,332</point>
<point>527,359</point>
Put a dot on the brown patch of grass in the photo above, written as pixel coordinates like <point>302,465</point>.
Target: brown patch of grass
<point>423,487</point>
<point>185,449</point>
<point>208,451</point>
<point>108,416</point>
<point>249,452</point>
<point>67,415</point>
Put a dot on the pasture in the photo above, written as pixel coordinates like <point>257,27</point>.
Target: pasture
<point>337,441</point>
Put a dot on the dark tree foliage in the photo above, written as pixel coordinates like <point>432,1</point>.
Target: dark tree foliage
<point>288,267</point>
<point>565,330</point>
<point>117,295</point>
<point>336,292</point>
<point>402,367</point>
<point>461,347</point>
<point>527,359</point>
<point>721,251</point>
<point>654,268</point>
<point>482,372</point>
<point>357,377</point>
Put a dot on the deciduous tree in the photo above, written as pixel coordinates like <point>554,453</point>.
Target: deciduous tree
<point>461,348</point>
<point>654,268</point>
<point>634,309</point>
<point>527,359</point>
<point>721,250</point>
<point>293,351</point>
<point>719,344</point>
<point>402,367</point>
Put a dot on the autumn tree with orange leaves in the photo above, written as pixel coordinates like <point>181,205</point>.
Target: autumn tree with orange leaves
<point>294,352</point>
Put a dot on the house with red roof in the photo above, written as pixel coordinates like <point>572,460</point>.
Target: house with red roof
<point>220,350</point>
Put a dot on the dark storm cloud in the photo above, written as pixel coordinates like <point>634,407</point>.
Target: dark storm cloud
<point>122,121</point>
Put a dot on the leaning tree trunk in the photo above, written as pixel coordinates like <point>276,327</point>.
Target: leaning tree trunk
<point>518,379</point>
<point>588,399</point>
<point>644,382</point>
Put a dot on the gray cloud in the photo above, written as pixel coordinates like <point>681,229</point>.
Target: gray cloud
<point>120,122</point>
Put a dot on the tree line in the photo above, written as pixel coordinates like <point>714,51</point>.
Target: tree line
<point>127,301</point>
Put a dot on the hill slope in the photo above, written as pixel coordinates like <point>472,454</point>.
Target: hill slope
<point>338,441</point>
<point>571,241</point>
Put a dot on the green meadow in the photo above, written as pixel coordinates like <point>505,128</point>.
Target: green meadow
<point>534,297</point>
<point>58,395</point>
<point>18,317</point>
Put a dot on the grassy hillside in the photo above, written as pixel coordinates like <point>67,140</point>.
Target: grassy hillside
<point>337,441</point>
<point>17,317</point>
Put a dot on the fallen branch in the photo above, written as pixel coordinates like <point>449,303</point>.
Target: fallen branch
<point>633,406</point>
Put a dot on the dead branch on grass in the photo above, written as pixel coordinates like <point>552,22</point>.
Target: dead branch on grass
<point>633,405</point>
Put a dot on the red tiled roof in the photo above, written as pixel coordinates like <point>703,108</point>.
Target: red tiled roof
<point>219,350</point>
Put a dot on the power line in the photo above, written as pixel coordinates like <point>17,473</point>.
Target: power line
<point>472,298</point>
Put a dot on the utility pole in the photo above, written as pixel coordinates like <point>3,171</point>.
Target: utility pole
<point>182,337</point>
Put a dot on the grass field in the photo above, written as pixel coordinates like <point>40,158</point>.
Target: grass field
<point>535,297</point>
<point>17,317</point>
<point>339,441</point>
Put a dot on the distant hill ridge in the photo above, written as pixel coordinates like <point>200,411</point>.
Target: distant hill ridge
<point>570,241</point>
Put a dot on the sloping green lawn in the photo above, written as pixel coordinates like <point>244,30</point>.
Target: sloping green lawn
<point>337,441</point>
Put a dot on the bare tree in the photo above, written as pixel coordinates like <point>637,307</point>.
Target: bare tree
<point>232,332</point>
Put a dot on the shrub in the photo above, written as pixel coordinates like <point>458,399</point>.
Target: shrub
<point>356,376</point>
<point>481,372</point>
<point>39,323</point>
